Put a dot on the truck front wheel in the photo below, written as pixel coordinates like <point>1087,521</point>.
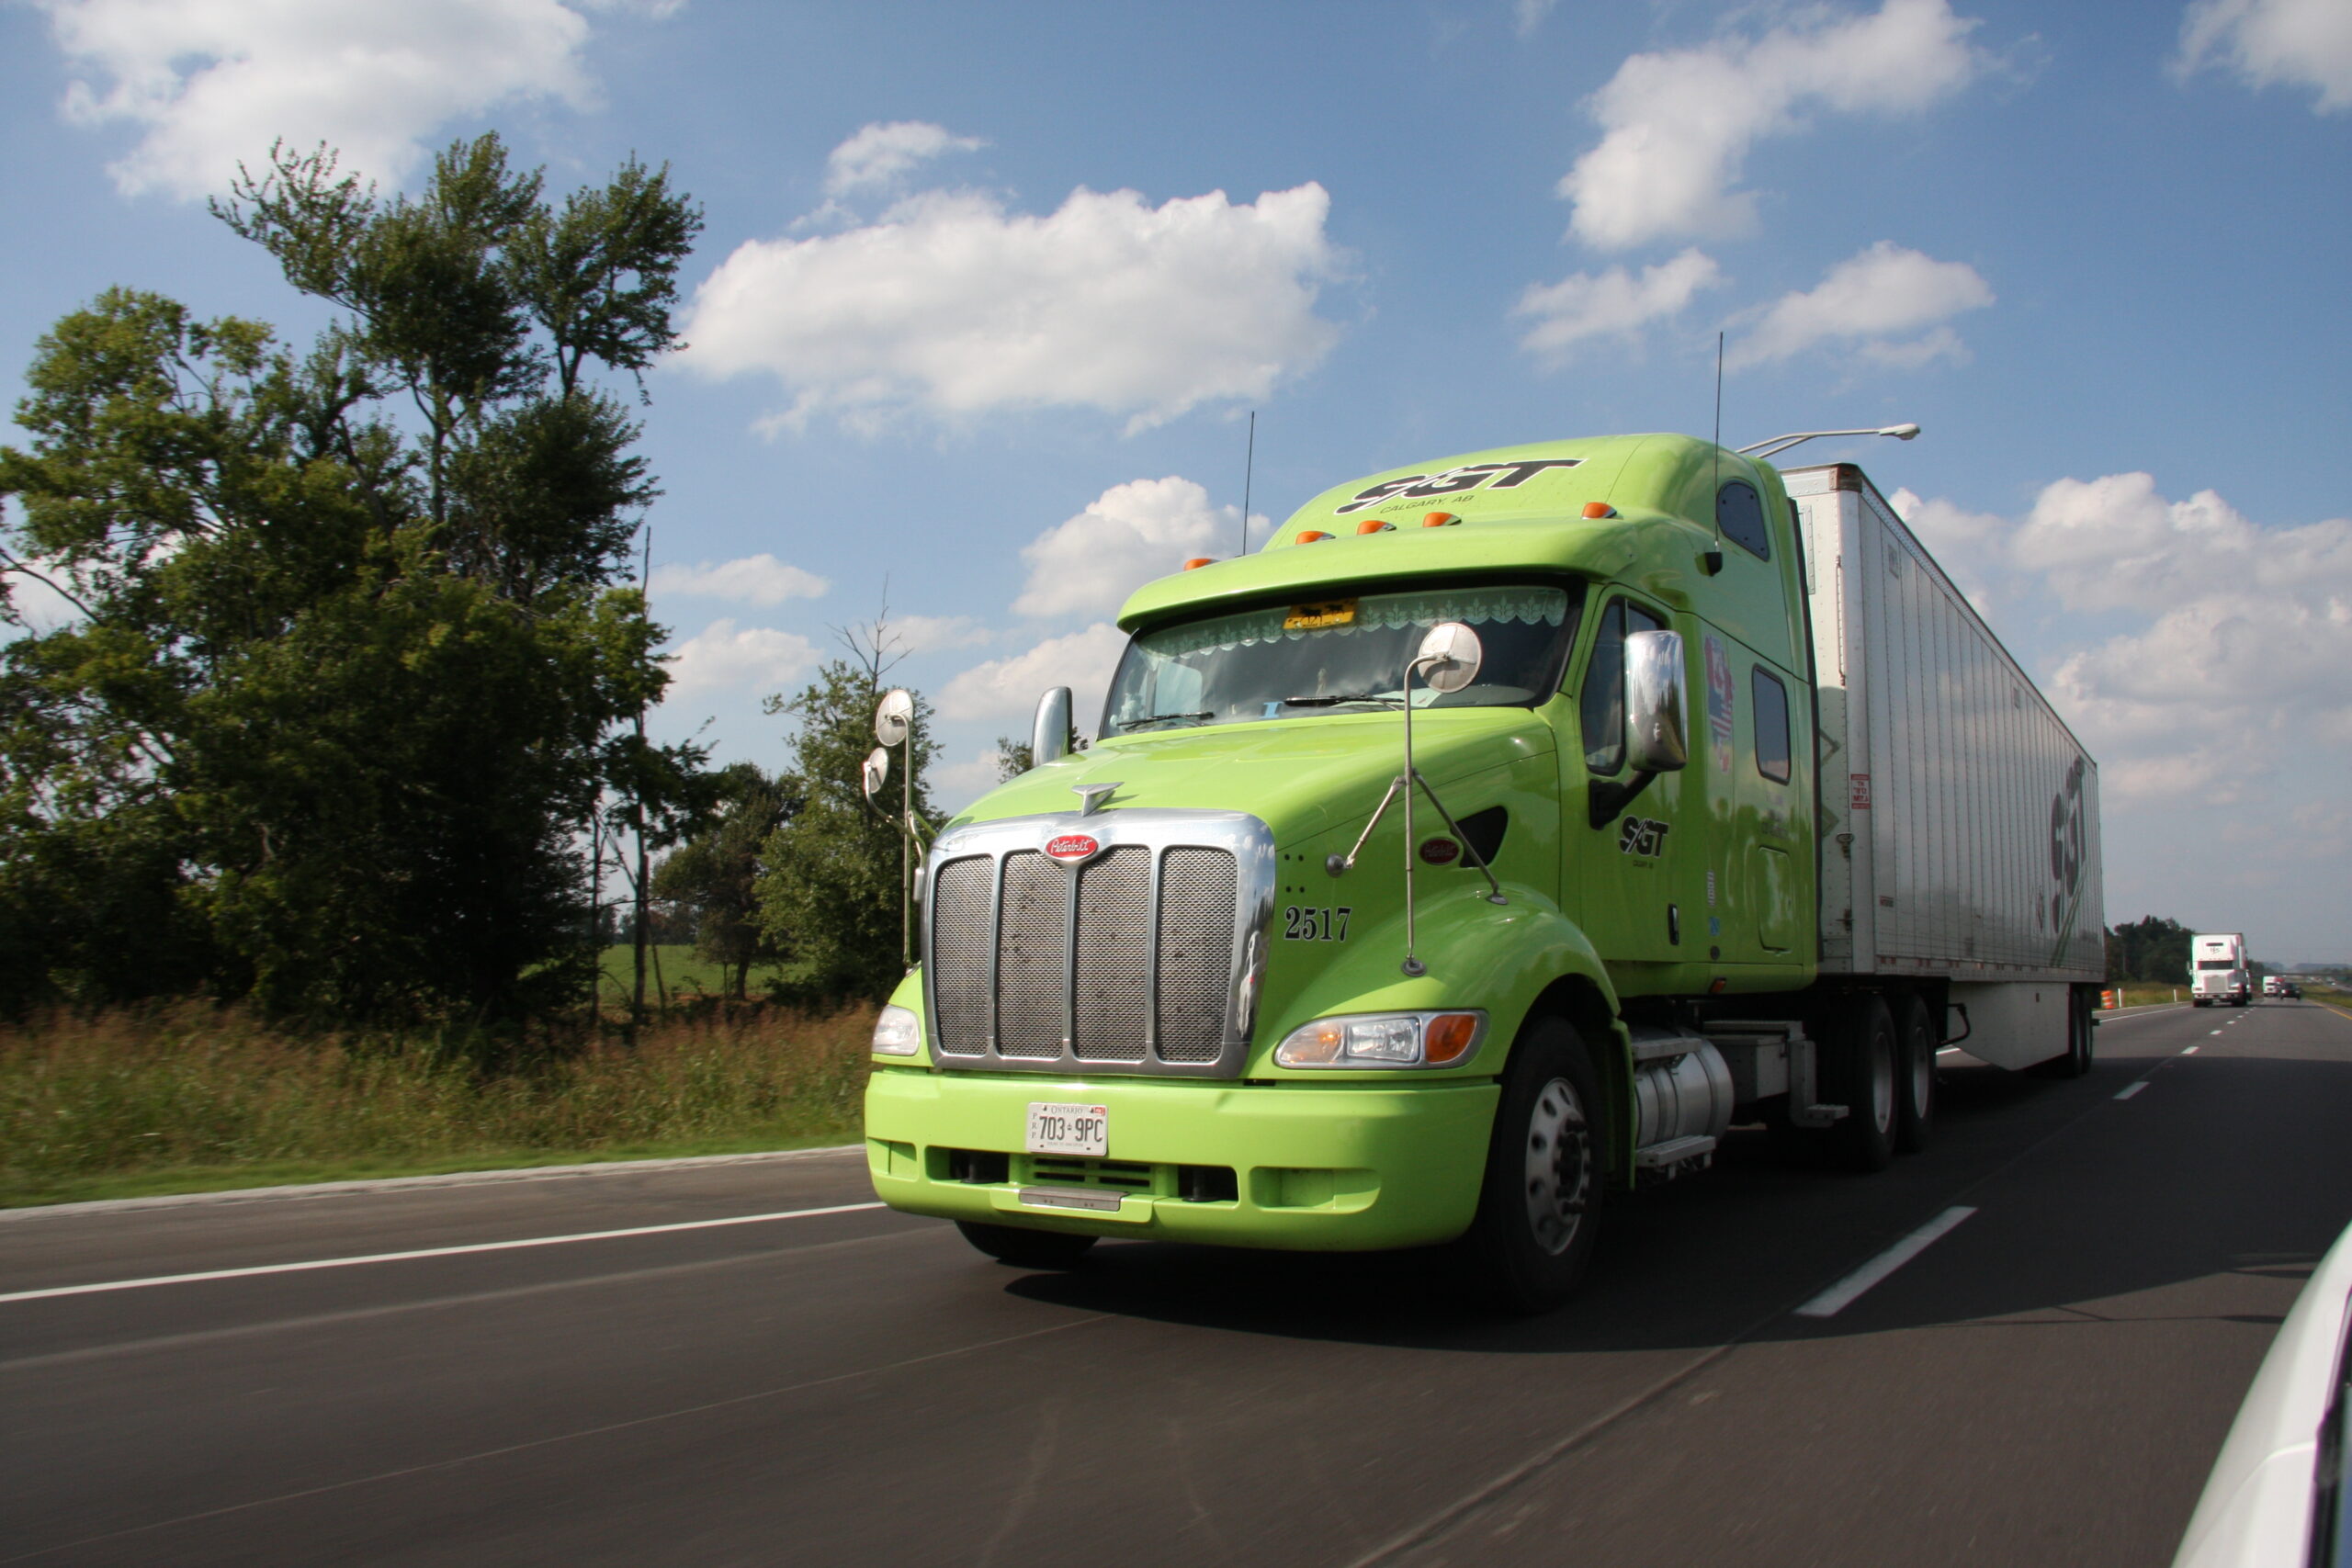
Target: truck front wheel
<point>1025,1248</point>
<point>1538,1209</point>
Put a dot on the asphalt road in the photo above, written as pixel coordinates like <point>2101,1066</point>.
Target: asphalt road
<point>2047,1383</point>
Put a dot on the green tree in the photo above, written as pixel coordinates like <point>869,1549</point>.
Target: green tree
<point>2151,948</point>
<point>831,889</point>
<point>713,876</point>
<point>356,645</point>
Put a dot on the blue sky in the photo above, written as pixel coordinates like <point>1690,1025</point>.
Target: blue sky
<point>987,293</point>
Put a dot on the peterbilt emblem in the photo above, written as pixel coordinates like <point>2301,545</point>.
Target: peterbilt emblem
<point>1072,849</point>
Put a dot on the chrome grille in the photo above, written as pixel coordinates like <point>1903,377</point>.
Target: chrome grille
<point>1029,957</point>
<point>1112,950</point>
<point>1195,944</point>
<point>1143,959</point>
<point>964,896</point>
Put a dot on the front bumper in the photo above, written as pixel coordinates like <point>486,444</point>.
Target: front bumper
<point>1342,1168</point>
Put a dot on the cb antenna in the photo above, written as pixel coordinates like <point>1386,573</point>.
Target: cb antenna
<point>1248,472</point>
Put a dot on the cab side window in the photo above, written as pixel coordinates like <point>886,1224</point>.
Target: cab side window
<point>1771,702</point>
<point>1602,701</point>
<point>1739,514</point>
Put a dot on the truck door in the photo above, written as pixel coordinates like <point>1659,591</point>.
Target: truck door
<point>1632,905</point>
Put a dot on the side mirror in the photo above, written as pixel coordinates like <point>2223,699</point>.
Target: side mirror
<point>1449,657</point>
<point>1050,736</point>
<point>894,718</point>
<point>1656,741</point>
<point>877,768</point>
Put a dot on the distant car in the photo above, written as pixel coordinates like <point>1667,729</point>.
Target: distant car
<point>2276,1492</point>
<point>2290,989</point>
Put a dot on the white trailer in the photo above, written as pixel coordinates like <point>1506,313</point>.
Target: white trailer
<point>1960,843</point>
<point>2219,975</point>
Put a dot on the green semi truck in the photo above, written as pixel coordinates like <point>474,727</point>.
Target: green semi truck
<point>1493,839</point>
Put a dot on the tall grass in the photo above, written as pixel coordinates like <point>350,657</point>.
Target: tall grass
<point>195,1089</point>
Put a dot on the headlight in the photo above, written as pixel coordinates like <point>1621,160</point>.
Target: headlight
<point>897,1032</point>
<point>1385,1040</point>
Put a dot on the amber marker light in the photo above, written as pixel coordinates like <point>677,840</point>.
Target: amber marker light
<point>1311,536</point>
<point>1440,520</point>
<point>1449,1038</point>
<point>1598,510</point>
<point>1198,561</point>
<point>1375,525</point>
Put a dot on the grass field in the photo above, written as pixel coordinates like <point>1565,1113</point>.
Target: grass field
<point>193,1098</point>
<point>672,969</point>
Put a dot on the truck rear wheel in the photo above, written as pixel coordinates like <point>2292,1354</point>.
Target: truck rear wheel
<point>1539,1207</point>
<point>1865,1080</point>
<point>1914,1076</point>
<point>1026,1248</point>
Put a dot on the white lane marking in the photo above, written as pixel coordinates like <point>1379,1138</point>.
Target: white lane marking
<point>2128,1090</point>
<point>1948,1050</point>
<point>423,1252</point>
<point>2214,1031</point>
<point>2191,1051</point>
<point>1837,1297</point>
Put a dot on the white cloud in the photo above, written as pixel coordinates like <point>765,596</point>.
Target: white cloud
<point>880,155</point>
<point>211,83</point>
<point>1615,303</point>
<point>958,784</point>
<point>1676,126</point>
<point>1870,300</point>
<point>753,579</point>
<point>1127,536</point>
<point>921,634</point>
<point>2300,43</point>
<point>1526,15</point>
<point>1009,688</point>
<point>2234,639</point>
<point>952,306</point>
<point>721,657</point>
<point>2115,543</point>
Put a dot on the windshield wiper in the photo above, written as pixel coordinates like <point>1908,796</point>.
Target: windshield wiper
<point>1344,697</point>
<point>1164,718</point>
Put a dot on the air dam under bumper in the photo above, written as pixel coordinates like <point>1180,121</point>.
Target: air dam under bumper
<point>1343,1167</point>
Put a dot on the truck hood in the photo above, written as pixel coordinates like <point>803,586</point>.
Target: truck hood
<point>1300,777</point>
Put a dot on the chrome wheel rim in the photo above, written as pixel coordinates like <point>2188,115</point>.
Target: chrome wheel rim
<point>1559,1167</point>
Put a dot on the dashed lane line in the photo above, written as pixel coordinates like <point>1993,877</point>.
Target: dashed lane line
<point>1842,1294</point>
<point>308,1265</point>
<point>2128,1090</point>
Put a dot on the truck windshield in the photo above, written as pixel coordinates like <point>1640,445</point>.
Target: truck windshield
<point>1338,655</point>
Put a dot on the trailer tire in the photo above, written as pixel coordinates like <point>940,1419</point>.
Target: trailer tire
<point>1865,1080</point>
<point>1539,1206</point>
<point>1914,1075</point>
<point>1026,1248</point>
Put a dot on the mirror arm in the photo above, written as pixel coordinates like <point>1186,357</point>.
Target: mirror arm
<point>1611,797</point>
<point>1494,888</point>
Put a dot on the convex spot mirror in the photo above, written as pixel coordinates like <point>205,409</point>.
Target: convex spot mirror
<point>895,717</point>
<point>876,769</point>
<point>1656,742</point>
<point>1449,657</point>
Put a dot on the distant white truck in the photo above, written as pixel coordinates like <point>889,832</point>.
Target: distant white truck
<point>2217,974</point>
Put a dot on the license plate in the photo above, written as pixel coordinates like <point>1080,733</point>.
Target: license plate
<point>1070,1129</point>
